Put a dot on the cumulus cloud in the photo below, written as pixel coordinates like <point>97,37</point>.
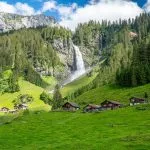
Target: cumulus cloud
<point>24,9</point>
<point>147,6</point>
<point>101,10</point>
<point>18,8</point>
<point>4,7</point>
<point>49,5</point>
<point>63,11</point>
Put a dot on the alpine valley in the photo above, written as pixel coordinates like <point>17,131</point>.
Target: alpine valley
<point>49,75</point>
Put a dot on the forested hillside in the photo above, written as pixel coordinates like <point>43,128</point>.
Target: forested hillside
<point>30,53</point>
<point>122,45</point>
<point>125,47</point>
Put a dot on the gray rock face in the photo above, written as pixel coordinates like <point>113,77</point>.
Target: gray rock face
<point>65,51</point>
<point>14,22</point>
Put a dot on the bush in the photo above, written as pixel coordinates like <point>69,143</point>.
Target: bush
<point>26,98</point>
<point>45,98</point>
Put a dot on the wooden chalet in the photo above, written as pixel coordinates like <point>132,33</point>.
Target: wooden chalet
<point>21,107</point>
<point>13,111</point>
<point>108,104</point>
<point>4,109</point>
<point>136,101</point>
<point>70,106</point>
<point>91,108</point>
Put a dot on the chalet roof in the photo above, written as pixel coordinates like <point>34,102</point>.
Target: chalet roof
<point>73,104</point>
<point>4,108</point>
<point>110,101</point>
<point>13,110</point>
<point>25,105</point>
<point>137,99</point>
<point>22,105</point>
<point>92,105</point>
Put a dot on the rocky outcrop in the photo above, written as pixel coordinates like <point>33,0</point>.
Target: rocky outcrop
<point>14,22</point>
<point>65,51</point>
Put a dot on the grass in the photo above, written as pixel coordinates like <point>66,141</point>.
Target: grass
<point>112,92</point>
<point>25,88</point>
<point>71,87</point>
<point>122,129</point>
<point>51,81</point>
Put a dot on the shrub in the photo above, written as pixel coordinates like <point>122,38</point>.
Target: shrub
<point>45,98</point>
<point>26,98</point>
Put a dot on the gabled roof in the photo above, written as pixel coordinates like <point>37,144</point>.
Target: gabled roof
<point>22,105</point>
<point>93,106</point>
<point>113,102</point>
<point>138,99</point>
<point>73,104</point>
<point>4,108</point>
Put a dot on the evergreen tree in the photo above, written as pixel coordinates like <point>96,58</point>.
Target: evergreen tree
<point>57,98</point>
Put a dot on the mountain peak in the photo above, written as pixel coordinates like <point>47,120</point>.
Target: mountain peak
<point>14,22</point>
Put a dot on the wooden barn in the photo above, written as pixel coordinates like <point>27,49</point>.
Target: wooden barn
<point>21,107</point>
<point>4,109</point>
<point>70,106</point>
<point>108,104</point>
<point>13,111</point>
<point>91,108</point>
<point>136,101</point>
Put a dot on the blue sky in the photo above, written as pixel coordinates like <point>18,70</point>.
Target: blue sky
<point>69,13</point>
<point>38,3</point>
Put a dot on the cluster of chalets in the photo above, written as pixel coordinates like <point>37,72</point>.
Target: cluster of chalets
<point>105,105</point>
<point>17,108</point>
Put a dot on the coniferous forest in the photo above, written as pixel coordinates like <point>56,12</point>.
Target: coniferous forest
<point>124,45</point>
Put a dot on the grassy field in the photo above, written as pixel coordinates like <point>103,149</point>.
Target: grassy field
<point>51,81</point>
<point>112,92</point>
<point>25,88</point>
<point>122,129</point>
<point>71,87</point>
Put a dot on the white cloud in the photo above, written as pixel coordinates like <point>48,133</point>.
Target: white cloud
<point>24,9</point>
<point>65,11</point>
<point>47,6</point>
<point>103,9</point>
<point>4,7</point>
<point>18,8</point>
<point>147,6</point>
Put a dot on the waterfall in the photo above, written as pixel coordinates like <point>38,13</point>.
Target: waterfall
<point>79,66</point>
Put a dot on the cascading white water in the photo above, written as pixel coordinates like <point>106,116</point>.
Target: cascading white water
<point>80,68</point>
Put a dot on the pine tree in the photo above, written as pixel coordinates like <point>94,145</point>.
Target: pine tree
<point>57,98</point>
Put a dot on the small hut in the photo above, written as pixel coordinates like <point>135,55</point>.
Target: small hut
<point>91,108</point>
<point>21,107</point>
<point>13,111</point>
<point>4,109</point>
<point>108,104</point>
<point>70,106</point>
<point>136,101</point>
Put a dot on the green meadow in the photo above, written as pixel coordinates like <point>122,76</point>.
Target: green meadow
<point>112,92</point>
<point>79,83</point>
<point>121,129</point>
<point>25,88</point>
